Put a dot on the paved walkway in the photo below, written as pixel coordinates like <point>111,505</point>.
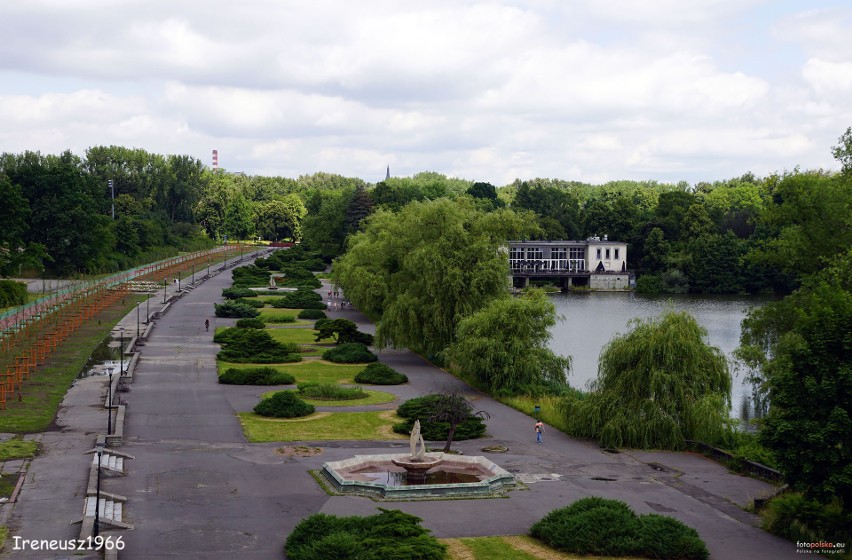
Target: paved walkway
<point>197,489</point>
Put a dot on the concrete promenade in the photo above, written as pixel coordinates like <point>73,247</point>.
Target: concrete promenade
<point>198,489</point>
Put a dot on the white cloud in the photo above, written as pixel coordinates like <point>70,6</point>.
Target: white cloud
<point>487,90</point>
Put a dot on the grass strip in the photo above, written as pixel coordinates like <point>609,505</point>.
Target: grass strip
<point>550,410</point>
<point>373,397</point>
<point>308,370</point>
<point>46,387</point>
<point>16,448</point>
<point>321,426</point>
<point>295,335</point>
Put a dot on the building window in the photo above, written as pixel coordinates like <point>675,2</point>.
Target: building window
<point>577,253</point>
<point>616,254</point>
<point>535,254</point>
<point>607,254</point>
<point>599,254</point>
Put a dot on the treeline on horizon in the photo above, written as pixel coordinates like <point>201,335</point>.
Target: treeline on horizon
<point>743,235</point>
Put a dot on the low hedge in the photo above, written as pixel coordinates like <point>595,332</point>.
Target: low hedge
<point>250,275</point>
<point>421,408</point>
<point>238,293</point>
<point>300,299</point>
<point>250,323</point>
<point>610,528</point>
<point>256,303</point>
<point>284,404</point>
<point>234,310</point>
<point>254,346</point>
<point>256,376</point>
<point>388,534</point>
<point>378,373</point>
<point>277,318</point>
<point>311,314</point>
<point>350,353</point>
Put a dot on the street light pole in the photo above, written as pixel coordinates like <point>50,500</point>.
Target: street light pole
<point>164,291</point>
<point>193,273</point>
<point>121,348</point>
<point>98,495</point>
<point>148,309</point>
<point>109,403</point>
<point>138,305</point>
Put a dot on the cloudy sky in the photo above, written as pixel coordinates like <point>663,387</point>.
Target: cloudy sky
<point>589,90</point>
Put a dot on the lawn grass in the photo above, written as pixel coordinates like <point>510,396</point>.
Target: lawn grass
<point>312,351</point>
<point>322,426</point>
<point>308,370</point>
<point>7,484</point>
<point>550,413</point>
<point>519,547</point>
<point>16,448</point>
<point>373,397</point>
<point>4,534</point>
<point>298,336</point>
<point>45,388</point>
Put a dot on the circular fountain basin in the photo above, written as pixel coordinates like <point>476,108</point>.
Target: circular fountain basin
<point>453,476</point>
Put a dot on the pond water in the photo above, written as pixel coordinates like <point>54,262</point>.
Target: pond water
<point>592,319</point>
<point>400,478</point>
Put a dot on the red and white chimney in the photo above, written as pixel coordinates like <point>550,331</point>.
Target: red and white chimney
<point>215,160</point>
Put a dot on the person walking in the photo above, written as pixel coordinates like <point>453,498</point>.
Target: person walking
<point>539,429</point>
<point>207,325</point>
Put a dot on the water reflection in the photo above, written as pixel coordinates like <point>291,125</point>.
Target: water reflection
<point>593,318</point>
<point>106,355</point>
<point>393,478</point>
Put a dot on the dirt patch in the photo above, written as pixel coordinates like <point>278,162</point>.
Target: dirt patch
<point>298,451</point>
<point>387,431</point>
<point>312,417</point>
<point>457,551</point>
<point>524,544</point>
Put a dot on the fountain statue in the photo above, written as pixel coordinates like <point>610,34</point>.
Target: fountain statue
<point>272,284</point>
<point>418,462</point>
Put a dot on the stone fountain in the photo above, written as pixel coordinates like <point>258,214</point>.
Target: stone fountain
<point>418,474</point>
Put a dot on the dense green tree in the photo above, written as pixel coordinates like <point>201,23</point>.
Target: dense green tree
<point>658,385</point>
<point>715,266</point>
<point>280,218</point>
<point>670,211</point>
<point>800,348</point>
<point>420,271</point>
<point>324,227</point>
<point>359,207</point>
<point>238,220</point>
<point>842,152</point>
<point>453,408</point>
<point>550,201</point>
<point>15,216</point>
<point>504,346</point>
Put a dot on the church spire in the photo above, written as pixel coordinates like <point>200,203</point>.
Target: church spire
<point>387,176</point>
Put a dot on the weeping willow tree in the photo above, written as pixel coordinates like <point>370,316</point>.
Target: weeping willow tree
<point>658,385</point>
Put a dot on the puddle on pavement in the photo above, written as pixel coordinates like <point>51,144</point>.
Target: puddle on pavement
<point>105,356</point>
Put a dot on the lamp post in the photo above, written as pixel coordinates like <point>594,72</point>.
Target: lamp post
<point>109,403</point>
<point>193,273</point>
<point>164,291</point>
<point>178,279</point>
<point>138,305</point>
<point>536,410</point>
<point>148,310</point>
<point>121,348</point>
<point>98,495</point>
<point>208,267</point>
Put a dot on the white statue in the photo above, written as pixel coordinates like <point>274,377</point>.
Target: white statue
<point>415,438</point>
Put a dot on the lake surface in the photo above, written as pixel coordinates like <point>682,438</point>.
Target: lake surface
<point>592,319</point>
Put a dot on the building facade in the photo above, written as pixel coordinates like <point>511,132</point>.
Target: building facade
<point>596,263</point>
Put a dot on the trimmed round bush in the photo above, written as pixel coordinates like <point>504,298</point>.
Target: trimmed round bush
<point>311,314</point>
<point>250,323</point>
<point>256,376</point>
<point>661,536</point>
<point>350,353</point>
<point>421,408</point>
<point>237,293</point>
<point>284,404</point>
<point>389,534</point>
<point>378,373</point>
<point>254,346</point>
<point>610,528</point>
<point>256,303</point>
<point>234,310</point>
<point>320,322</point>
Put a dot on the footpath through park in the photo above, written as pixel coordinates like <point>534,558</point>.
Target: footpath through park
<point>195,488</point>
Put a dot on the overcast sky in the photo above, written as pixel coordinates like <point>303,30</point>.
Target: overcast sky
<point>588,90</point>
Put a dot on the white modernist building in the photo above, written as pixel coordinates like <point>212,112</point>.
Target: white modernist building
<point>597,263</point>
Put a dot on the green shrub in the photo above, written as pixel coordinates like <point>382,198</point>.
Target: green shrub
<point>389,534</point>
<point>794,517</point>
<point>601,526</point>
<point>341,331</point>
<point>278,318</point>
<point>284,404</point>
<point>378,373</point>
<point>234,310</point>
<point>330,392</point>
<point>254,346</point>
<point>320,322</point>
<point>256,376</point>
<point>256,303</point>
<point>12,293</point>
<point>250,275</point>
<point>350,353</point>
<point>665,537</point>
<point>300,299</point>
<point>298,277</point>
<point>250,323</point>
<point>311,314</point>
<point>421,408</point>
<point>237,293</point>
